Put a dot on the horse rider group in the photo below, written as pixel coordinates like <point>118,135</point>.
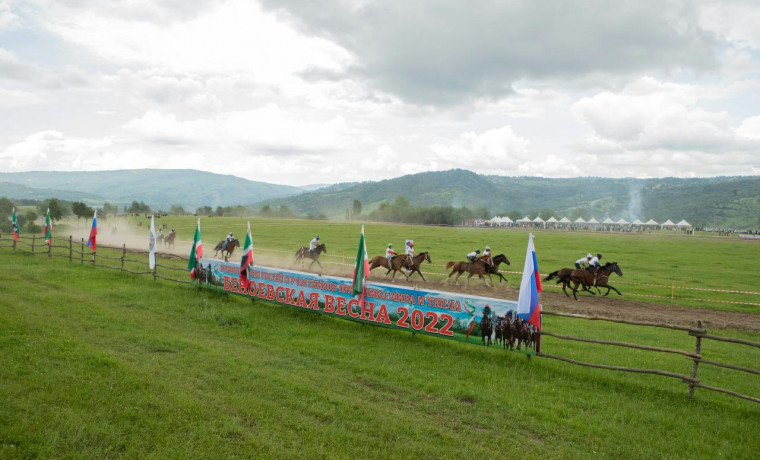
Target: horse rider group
<point>475,255</point>
<point>408,261</point>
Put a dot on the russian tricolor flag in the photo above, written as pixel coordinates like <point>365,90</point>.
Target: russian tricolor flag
<point>528,304</point>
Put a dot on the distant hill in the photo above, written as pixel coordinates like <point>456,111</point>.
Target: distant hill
<point>723,201</point>
<point>159,188</point>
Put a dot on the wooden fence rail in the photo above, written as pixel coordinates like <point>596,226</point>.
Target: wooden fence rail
<point>698,331</point>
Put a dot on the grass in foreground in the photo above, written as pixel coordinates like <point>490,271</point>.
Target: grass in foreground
<point>103,364</point>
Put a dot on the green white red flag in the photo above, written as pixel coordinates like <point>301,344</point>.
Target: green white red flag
<point>361,268</point>
<point>247,261</point>
<point>196,252</point>
<point>14,222</point>
<point>47,231</point>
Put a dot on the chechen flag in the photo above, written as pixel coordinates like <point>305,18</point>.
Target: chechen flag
<point>93,231</point>
<point>14,222</point>
<point>247,261</point>
<point>47,231</point>
<point>361,269</point>
<point>196,251</point>
<point>528,304</point>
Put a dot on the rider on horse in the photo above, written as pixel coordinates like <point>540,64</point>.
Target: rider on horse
<point>229,238</point>
<point>313,244</point>
<point>486,257</point>
<point>390,254</point>
<point>409,254</point>
<point>472,258</point>
<point>583,262</point>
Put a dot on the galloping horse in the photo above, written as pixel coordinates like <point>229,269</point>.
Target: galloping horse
<point>169,240</point>
<point>480,267</point>
<point>304,253</point>
<point>586,279</point>
<point>400,262</point>
<point>227,249</point>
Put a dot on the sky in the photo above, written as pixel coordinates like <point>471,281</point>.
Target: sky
<point>301,92</point>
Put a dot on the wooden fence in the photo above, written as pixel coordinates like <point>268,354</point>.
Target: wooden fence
<point>124,260</point>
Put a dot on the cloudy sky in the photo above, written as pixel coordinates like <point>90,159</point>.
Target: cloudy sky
<point>299,92</point>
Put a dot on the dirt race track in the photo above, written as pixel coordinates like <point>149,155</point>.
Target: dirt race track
<point>612,306</point>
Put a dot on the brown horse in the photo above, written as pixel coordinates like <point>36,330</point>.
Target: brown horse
<point>587,279</point>
<point>480,267</point>
<point>486,329</point>
<point>228,249</point>
<point>563,277</point>
<point>169,240</point>
<point>400,262</point>
<point>304,253</point>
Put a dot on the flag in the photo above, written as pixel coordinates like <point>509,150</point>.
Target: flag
<point>361,268</point>
<point>196,251</point>
<point>152,245</point>
<point>528,304</point>
<point>47,231</point>
<point>93,231</point>
<point>14,222</point>
<point>247,260</point>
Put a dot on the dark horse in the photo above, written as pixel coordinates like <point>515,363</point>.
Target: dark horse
<point>480,267</point>
<point>169,240</point>
<point>486,329</point>
<point>400,262</point>
<point>304,253</point>
<point>585,279</point>
<point>228,249</point>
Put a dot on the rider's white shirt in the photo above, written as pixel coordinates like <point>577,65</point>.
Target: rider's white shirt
<point>313,244</point>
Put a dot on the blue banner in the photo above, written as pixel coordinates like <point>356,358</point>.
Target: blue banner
<point>444,314</point>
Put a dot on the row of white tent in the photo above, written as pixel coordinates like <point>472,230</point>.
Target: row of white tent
<point>506,221</point>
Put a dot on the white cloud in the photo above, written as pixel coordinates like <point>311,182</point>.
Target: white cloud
<point>494,151</point>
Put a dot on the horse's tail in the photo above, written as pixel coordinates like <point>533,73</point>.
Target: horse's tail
<point>449,264</point>
<point>551,275</point>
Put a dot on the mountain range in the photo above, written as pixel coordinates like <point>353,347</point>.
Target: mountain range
<point>718,201</point>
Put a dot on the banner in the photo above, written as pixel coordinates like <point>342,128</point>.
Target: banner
<point>443,314</point>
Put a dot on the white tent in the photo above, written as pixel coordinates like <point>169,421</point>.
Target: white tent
<point>622,222</point>
<point>637,222</point>
<point>580,220</point>
<point>593,221</point>
<point>564,220</point>
<point>668,224</point>
<point>538,220</point>
<point>683,224</point>
<point>551,220</point>
<point>524,220</point>
<point>608,221</point>
<point>652,222</point>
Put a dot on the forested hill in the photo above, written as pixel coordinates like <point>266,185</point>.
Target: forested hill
<point>159,188</point>
<point>725,201</point>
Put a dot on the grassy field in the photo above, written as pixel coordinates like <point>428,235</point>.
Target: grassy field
<point>97,363</point>
<point>658,267</point>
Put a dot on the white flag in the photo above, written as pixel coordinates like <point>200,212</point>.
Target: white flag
<point>152,248</point>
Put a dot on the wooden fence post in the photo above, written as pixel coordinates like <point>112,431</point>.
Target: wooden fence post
<point>123,254</point>
<point>33,243</point>
<point>695,365</point>
<point>672,292</point>
<point>81,253</point>
<point>50,248</point>
<point>70,248</point>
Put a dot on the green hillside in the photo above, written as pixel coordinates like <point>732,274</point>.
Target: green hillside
<point>722,201</point>
<point>159,188</point>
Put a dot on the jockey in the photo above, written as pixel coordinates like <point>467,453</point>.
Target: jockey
<point>160,232</point>
<point>390,254</point>
<point>409,254</point>
<point>313,244</point>
<point>229,238</point>
<point>583,262</point>
<point>472,258</point>
<point>487,256</point>
<point>172,233</point>
<point>594,264</point>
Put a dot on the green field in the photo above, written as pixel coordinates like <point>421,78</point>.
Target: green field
<point>657,267</point>
<point>97,363</point>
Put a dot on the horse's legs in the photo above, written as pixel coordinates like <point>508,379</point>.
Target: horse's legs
<point>614,289</point>
<point>564,285</point>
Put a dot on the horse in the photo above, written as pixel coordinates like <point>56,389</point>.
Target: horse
<point>563,277</point>
<point>228,249</point>
<point>160,239</point>
<point>480,267</point>
<point>400,262</point>
<point>502,331</point>
<point>304,253</point>
<point>486,329</point>
<point>587,279</point>
<point>169,240</point>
